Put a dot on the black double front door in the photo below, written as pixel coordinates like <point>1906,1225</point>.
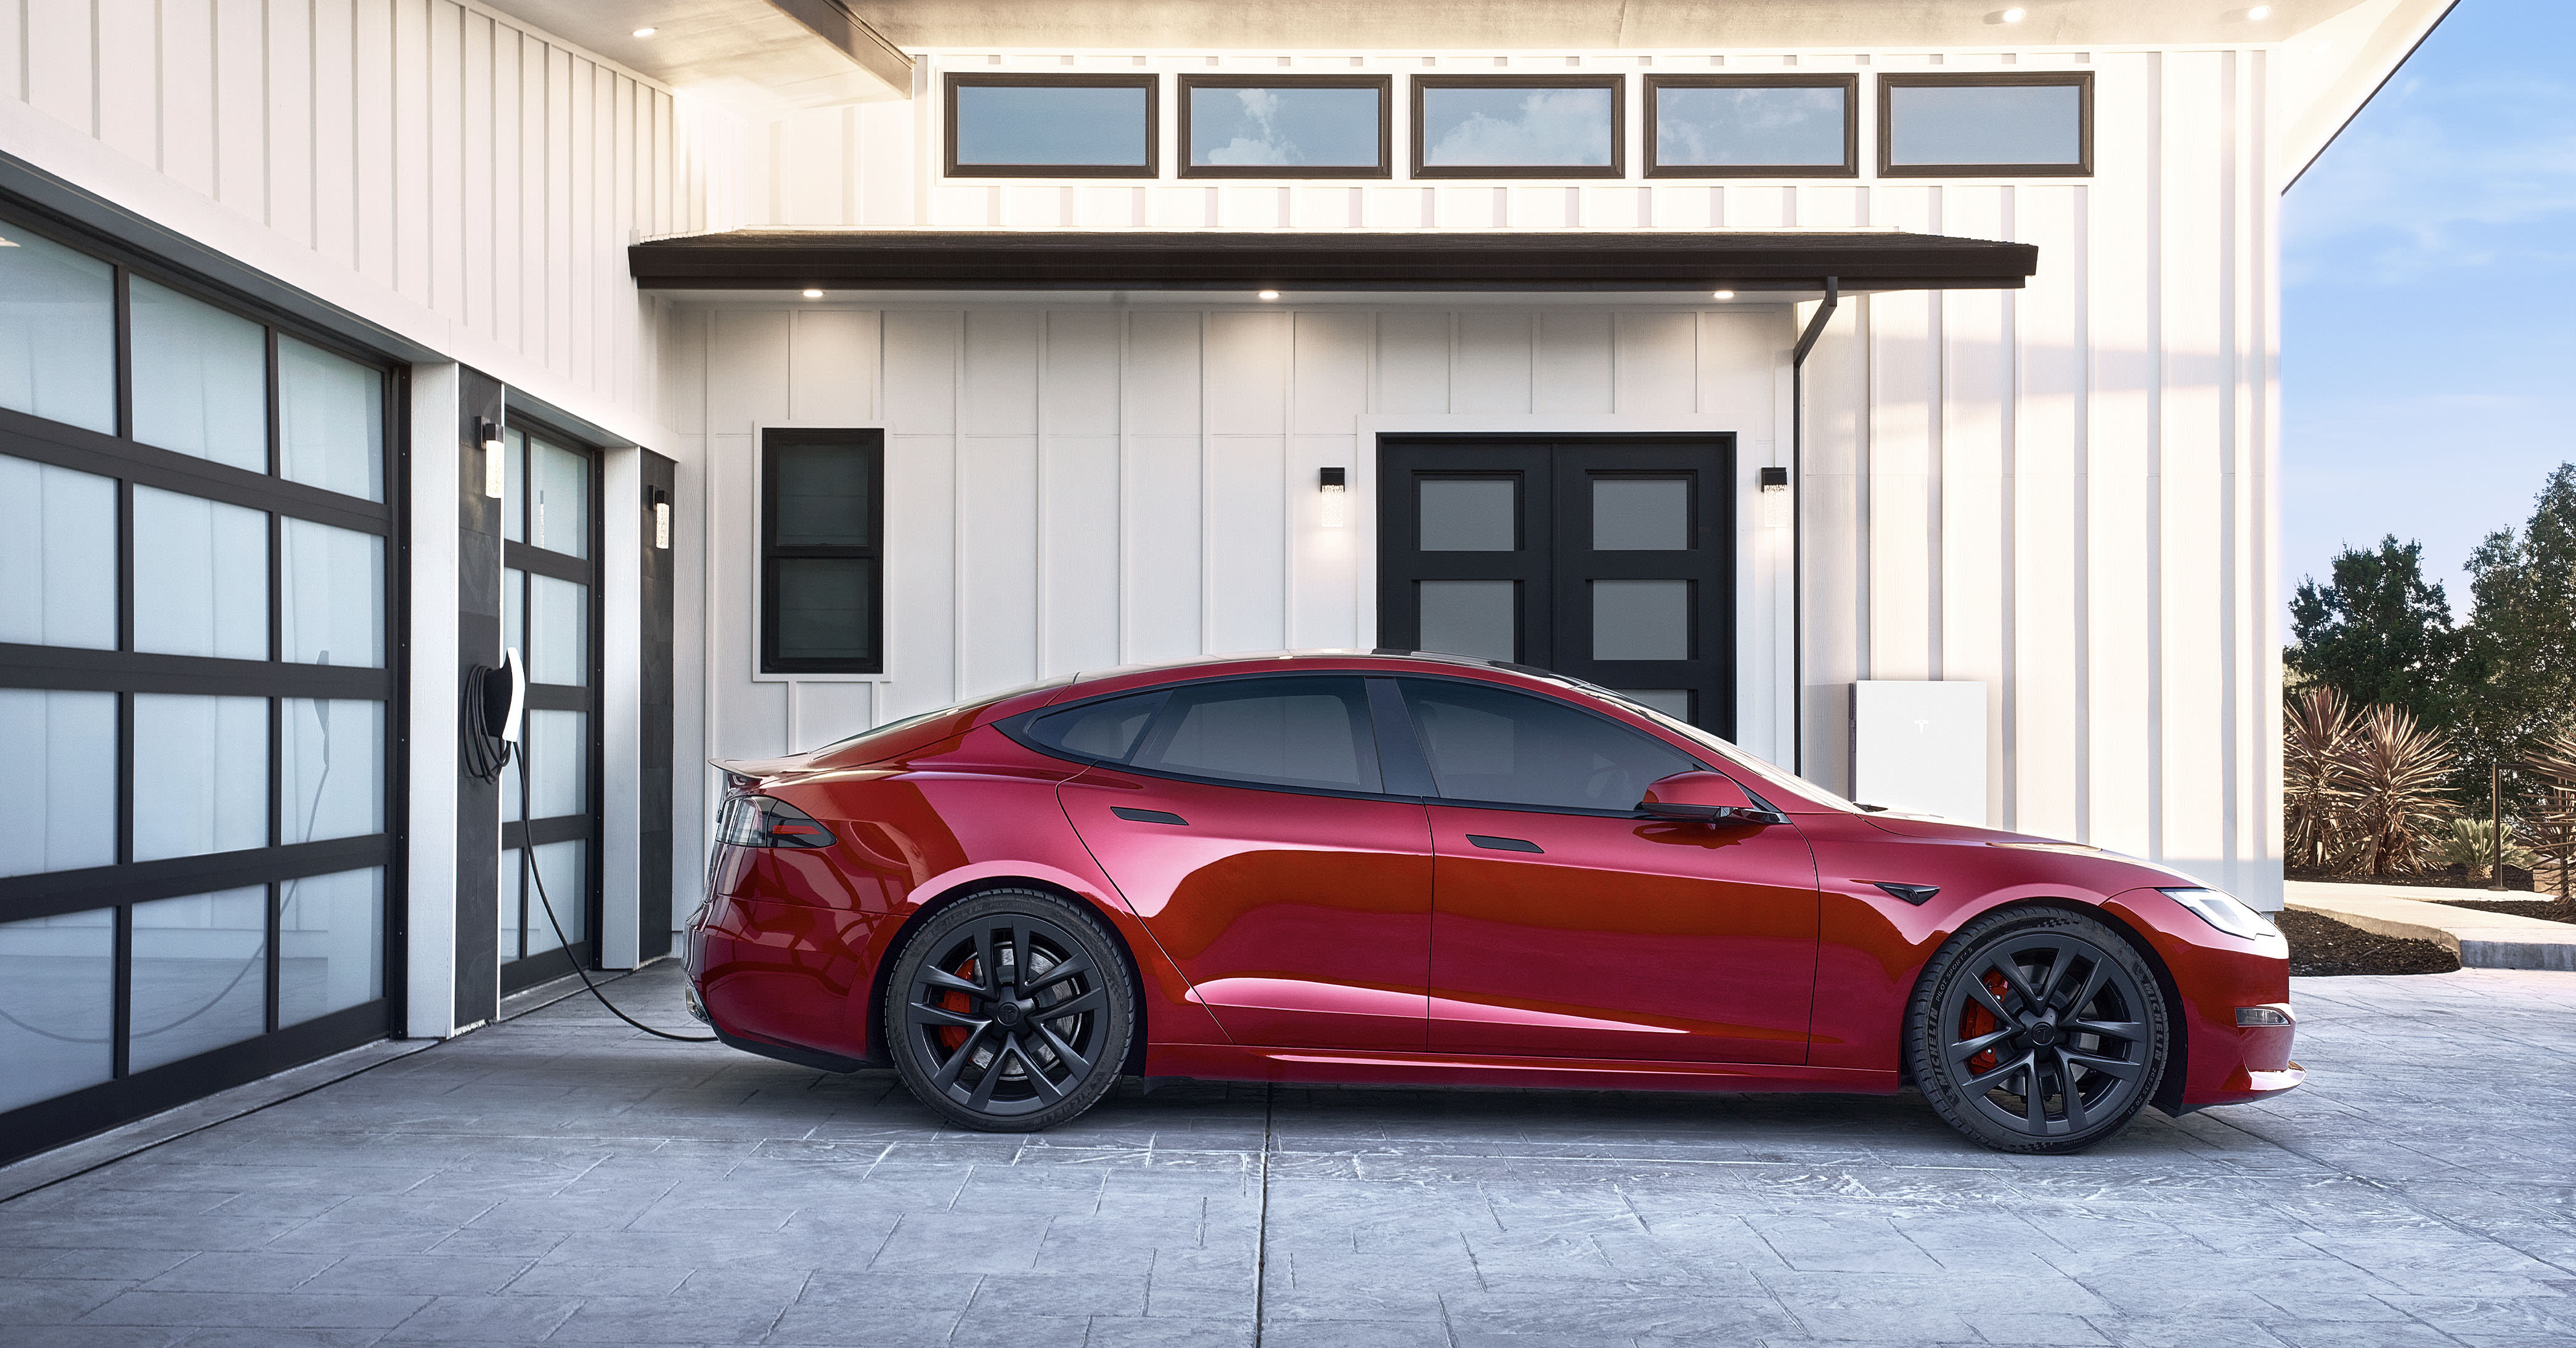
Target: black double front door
<point>1608,559</point>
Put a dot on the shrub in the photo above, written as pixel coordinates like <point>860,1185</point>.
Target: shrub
<point>2397,768</point>
<point>2470,844</point>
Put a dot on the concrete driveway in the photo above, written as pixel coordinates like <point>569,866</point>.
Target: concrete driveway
<point>560,1178</point>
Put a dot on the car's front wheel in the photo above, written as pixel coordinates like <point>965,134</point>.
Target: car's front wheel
<point>2037,1030</point>
<point>1009,1011</point>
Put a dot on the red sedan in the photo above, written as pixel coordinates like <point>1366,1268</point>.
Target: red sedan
<point>1402,868</point>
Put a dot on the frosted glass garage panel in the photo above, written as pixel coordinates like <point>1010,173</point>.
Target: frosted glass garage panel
<point>334,583</point>
<point>57,780</point>
<point>57,555</point>
<point>1641,619</point>
<point>559,503</point>
<point>1469,514</point>
<point>1071,126</point>
<point>330,943</point>
<point>2035,124</point>
<point>200,378</point>
<point>1286,126</point>
<point>200,576</point>
<point>562,869</point>
<point>1516,127</point>
<point>558,635</point>
<point>331,780</point>
<point>57,333</point>
<point>558,750</point>
<point>1641,514</point>
<point>330,420</point>
<point>200,977</point>
<point>1471,617</point>
<point>1756,127</point>
<point>57,1005</point>
<point>200,774</point>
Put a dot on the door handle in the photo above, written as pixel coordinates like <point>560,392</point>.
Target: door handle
<point>1148,816</point>
<point>1504,844</point>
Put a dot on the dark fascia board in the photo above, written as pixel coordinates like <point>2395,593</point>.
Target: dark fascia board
<point>1409,260</point>
<point>833,22</point>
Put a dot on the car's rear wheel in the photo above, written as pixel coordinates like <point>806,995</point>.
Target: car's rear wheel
<point>1009,1011</point>
<point>2037,1030</point>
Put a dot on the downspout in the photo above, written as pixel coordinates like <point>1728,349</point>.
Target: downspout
<point>1798,524</point>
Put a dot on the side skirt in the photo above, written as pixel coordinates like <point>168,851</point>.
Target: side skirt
<point>1229,1062</point>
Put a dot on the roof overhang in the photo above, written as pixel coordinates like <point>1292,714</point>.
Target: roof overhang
<point>1408,260</point>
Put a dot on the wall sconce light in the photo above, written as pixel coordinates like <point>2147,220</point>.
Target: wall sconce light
<point>1774,510</point>
<point>489,432</point>
<point>1335,485</point>
<point>661,518</point>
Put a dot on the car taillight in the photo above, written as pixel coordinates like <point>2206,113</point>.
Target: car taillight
<point>766,821</point>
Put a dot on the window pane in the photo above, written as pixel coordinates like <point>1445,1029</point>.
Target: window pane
<point>511,884</point>
<point>1508,128</point>
<point>57,1005</point>
<point>57,333</point>
<point>1471,617</point>
<point>1760,127</point>
<point>559,511</point>
<point>558,631</point>
<point>200,378</point>
<point>1986,124</point>
<point>200,576</point>
<point>332,784</point>
<point>558,749</point>
<point>1319,128</point>
<point>514,616</point>
<point>557,881</point>
<point>827,609</point>
<point>57,780</point>
<point>514,486</point>
<point>57,555</point>
<point>1640,514</point>
<point>335,595</point>
<point>1041,124</point>
<point>200,974</point>
<point>1101,730</point>
<point>1290,732</point>
<point>825,496</point>
<point>1515,749</point>
<point>1641,619</point>
<point>330,943</point>
<point>200,774</point>
<point>1470,514</point>
<point>1672,702</point>
<point>330,420</point>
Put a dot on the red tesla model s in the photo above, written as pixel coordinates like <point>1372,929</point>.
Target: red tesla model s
<point>1345,867</point>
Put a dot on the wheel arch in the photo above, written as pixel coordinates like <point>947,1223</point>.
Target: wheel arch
<point>2169,1088</point>
<point>881,1048</point>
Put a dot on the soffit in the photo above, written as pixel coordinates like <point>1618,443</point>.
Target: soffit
<point>756,56</point>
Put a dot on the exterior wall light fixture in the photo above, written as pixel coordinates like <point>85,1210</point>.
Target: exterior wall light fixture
<point>1334,484</point>
<point>1774,510</point>
<point>489,433</point>
<point>661,518</point>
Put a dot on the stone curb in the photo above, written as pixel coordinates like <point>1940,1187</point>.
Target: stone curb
<point>2481,939</point>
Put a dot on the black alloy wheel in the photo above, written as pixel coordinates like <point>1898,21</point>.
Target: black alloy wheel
<point>1009,1011</point>
<point>2037,1030</point>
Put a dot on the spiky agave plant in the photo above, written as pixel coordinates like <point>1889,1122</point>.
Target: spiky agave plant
<point>2470,845</point>
<point>2317,796</point>
<point>2397,768</point>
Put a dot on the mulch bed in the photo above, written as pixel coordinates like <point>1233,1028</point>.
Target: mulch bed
<point>2554,910</point>
<point>2321,946</point>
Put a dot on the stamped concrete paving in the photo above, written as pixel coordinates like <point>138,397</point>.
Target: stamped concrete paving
<point>562,1179</point>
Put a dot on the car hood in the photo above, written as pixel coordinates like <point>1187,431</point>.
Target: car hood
<point>2107,871</point>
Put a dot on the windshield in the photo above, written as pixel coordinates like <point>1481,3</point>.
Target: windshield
<point>1734,757</point>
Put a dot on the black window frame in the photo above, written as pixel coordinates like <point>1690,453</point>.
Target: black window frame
<point>1849,84</point>
<point>870,443</point>
<point>1383,84</point>
<point>2080,80</point>
<point>1616,84</point>
<point>1151,84</point>
<point>120,884</point>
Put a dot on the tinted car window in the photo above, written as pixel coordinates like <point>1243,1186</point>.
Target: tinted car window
<point>1273,732</point>
<point>1101,730</point>
<point>1492,744</point>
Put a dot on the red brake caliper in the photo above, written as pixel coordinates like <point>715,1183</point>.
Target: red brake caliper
<point>953,1037</point>
<point>1979,1020</point>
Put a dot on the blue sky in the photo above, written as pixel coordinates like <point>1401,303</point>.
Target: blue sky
<point>2429,299</point>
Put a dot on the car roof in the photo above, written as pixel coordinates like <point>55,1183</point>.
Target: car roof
<point>1316,660</point>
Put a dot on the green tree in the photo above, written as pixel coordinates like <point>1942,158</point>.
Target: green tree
<point>2377,633</point>
<point>2516,683</point>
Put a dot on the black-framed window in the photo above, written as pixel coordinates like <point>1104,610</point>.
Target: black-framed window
<point>1053,126</point>
<point>1301,126</point>
<point>1519,126</point>
<point>2036,124</point>
<point>199,688</point>
<point>1752,126</point>
<point>822,553</point>
<point>551,532</point>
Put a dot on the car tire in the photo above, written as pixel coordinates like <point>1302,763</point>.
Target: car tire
<point>2038,1030</point>
<point>1010,1011</point>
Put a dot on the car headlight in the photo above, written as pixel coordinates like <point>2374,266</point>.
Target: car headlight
<point>2224,911</point>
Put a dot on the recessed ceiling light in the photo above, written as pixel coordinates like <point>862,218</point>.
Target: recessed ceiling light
<point>813,294</point>
<point>1270,294</point>
<point>1721,294</point>
<point>2015,15</point>
<point>646,32</point>
<point>2259,13</point>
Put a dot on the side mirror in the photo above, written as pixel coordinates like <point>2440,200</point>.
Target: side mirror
<point>1707,798</point>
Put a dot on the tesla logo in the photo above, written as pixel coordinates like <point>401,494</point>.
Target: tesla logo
<point>1921,724</point>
